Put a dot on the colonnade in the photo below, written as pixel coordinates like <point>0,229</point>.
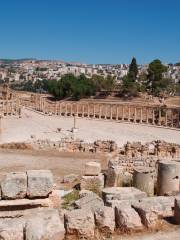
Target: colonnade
<point>126,112</point>
<point>10,107</point>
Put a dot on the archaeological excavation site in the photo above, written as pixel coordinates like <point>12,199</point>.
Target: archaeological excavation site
<point>88,169</point>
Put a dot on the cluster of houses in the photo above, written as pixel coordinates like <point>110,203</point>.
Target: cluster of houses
<point>30,69</point>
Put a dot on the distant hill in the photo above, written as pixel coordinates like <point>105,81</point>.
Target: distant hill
<point>16,60</point>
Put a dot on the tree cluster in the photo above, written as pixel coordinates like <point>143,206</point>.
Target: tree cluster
<point>69,86</point>
<point>152,81</point>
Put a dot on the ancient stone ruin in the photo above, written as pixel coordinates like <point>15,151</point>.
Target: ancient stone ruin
<point>156,114</point>
<point>31,207</point>
<point>9,102</point>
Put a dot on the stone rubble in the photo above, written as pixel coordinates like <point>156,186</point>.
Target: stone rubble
<point>30,207</point>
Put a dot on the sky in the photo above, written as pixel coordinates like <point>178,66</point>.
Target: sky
<point>91,31</point>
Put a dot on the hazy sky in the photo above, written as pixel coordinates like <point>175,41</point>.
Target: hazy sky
<point>91,31</point>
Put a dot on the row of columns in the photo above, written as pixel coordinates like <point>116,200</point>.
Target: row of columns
<point>131,113</point>
<point>10,107</point>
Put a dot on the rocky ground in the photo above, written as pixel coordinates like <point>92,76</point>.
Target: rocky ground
<point>45,127</point>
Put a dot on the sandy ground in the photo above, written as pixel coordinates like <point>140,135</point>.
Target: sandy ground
<point>43,127</point>
<point>172,234</point>
<point>59,163</point>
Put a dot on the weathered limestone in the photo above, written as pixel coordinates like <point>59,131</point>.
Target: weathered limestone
<point>55,198</point>
<point>121,193</point>
<point>127,219</point>
<point>92,169</point>
<point>143,179</point>
<point>45,224</point>
<point>11,229</point>
<point>178,169</point>
<point>92,183</point>
<point>177,210</point>
<point>79,223</point>
<point>114,177</point>
<point>40,183</point>
<point>14,186</point>
<point>20,204</point>
<point>154,208</point>
<point>168,178</point>
<point>105,219</point>
<point>89,202</point>
<point>71,178</point>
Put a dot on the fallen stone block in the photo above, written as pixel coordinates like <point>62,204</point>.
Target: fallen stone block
<point>55,197</point>
<point>14,186</point>
<point>79,223</point>
<point>93,183</point>
<point>114,203</point>
<point>92,169</point>
<point>45,224</point>
<point>105,219</point>
<point>84,193</point>
<point>154,208</point>
<point>89,202</point>
<point>177,210</point>
<point>11,229</point>
<point>127,219</point>
<point>40,183</point>
<point>22,204</point>
<point>122,193</point>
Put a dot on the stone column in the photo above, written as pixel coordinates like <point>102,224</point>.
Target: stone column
<point>117,113</point>
<point>83,110</point>
<point>6,107</point>
<point>141,115</point>
<point>159,121</point>
<point>100,111</point>
<point>168,177</point>
<point>123,113</point>
<point>44,103</point>
<point>111,112</point>
<point>3,107</point>
<point>65,109</point>
<point>94,111</point>
<point>88,110</point>
<point>172,124</point>
<point>135,114</point>
<point>153,116</point>
<point>0,124</point>
<point>143,179</point>
<point>129,113</point>
<point>147,115</point>
<point>166,117</point>
<point>60,109</point>
<point>71,113</point>
<point>74,121</point>
<point>105,114</point>
<point>77,110</point>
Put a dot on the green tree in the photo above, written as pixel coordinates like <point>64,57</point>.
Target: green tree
<point>108,83</point>
<point>130,87</point>
<point>133,70</point>
<point>156,81</point>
